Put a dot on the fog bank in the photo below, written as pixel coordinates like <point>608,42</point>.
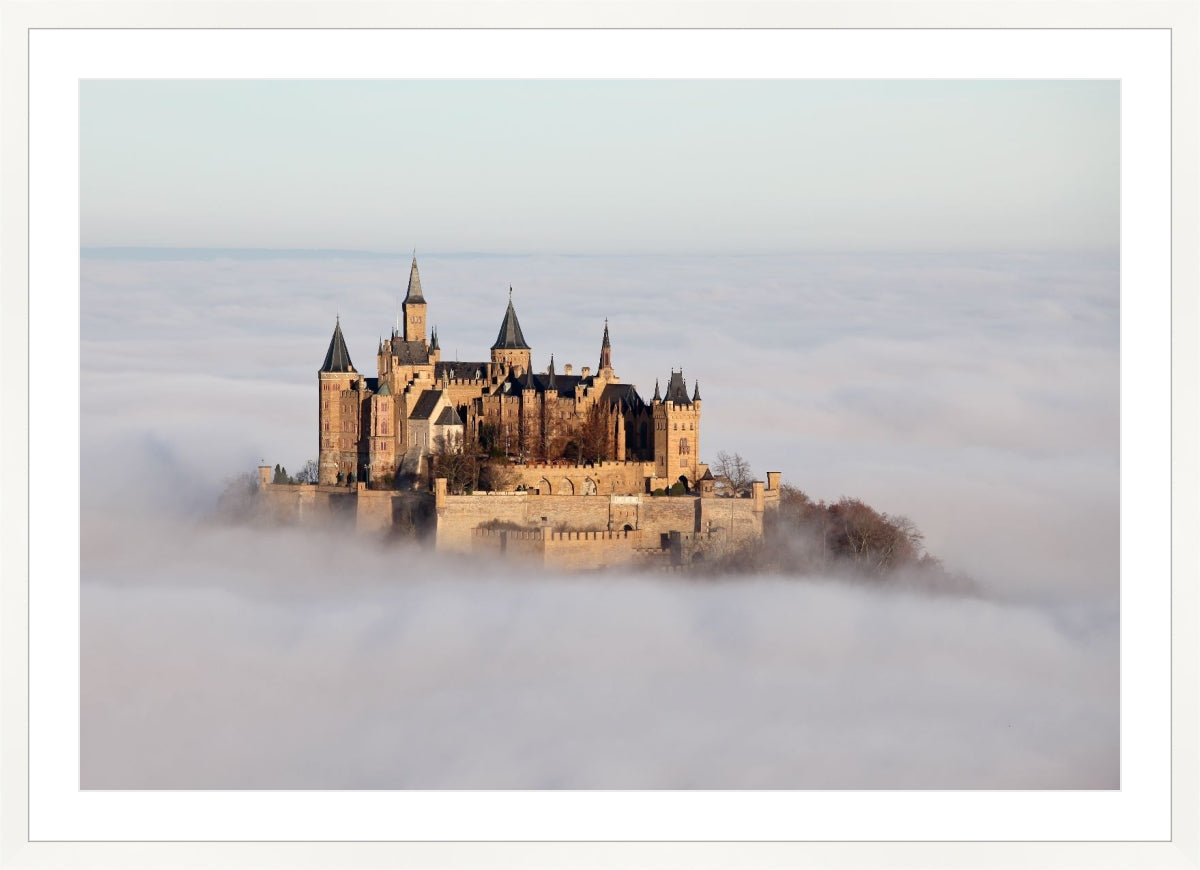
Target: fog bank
<point>232,658</point>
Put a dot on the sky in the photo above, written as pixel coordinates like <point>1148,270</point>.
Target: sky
<point>902,292</point>
<point>602,166</point>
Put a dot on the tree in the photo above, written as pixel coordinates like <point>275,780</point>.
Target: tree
<point>874,542</point>
<point>281,475</point>
<point>456,462</point>
<point>239,498</point>
<point>307,474</point>
<point>733,472</point>
<point>496,475</point>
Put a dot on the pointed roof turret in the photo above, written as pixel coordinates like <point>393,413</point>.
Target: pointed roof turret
<point>606,342</point>
<point>384,390</point>
<point>696,392</point>
<point>337,358</point>
<point>433,342</point>
<point>657,395</point>
<point>550,381</point>
<point>414,285</point>
<point>510,336</point>
<point>529,382</point>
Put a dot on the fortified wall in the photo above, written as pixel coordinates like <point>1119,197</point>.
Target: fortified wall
<point>601,530</point>
<point>576,532</point>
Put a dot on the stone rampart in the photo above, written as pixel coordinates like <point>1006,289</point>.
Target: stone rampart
<point>598,478</point>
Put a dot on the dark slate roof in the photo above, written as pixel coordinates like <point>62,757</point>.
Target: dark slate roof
<point>510,336</point>
<point>464,371</point>
<point>565,384</point>
<point>372,384</point>
<point>626,394</point>
<point>448,417</point>
<point>708,475</point>
<point>410,353</point>
<point>677,390</point>
<point>433,342</point>
<point>337,358</point>
<point>423,410</point>
<point>414,284</point>
<point>696,392</point>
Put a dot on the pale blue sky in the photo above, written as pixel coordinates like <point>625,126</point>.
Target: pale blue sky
<point>602,166</point>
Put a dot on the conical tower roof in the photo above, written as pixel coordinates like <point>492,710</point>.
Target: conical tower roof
<point>414,284</point>
<point>510,336</point>
<point>337,358</point>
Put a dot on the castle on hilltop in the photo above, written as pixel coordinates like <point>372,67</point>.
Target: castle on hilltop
<point>384,429</point>
<point>593,474</point>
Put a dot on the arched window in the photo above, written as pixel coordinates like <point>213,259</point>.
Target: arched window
<point>684,446</point>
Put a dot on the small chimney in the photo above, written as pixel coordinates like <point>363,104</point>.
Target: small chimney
<point>568,368</point>
<point>587,370</point>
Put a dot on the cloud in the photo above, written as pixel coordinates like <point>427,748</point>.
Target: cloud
<point>235,658</point>
<point>976,395</point>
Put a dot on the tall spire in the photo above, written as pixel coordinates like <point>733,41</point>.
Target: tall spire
<point>433,343</point>
<point>550,381</point>
<point>337,358</point>
<point>657,395</point>
<point>696,392</point>
<point>510,330</point>
<point>414,284</point>
<point>606,352</point>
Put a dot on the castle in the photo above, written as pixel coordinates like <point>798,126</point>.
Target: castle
<point>591,473</point>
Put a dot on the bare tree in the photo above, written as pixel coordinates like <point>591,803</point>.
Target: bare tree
<point>307,474</point>
<point>497,475</point>
<point>733,472</point>
<point>456,462</point>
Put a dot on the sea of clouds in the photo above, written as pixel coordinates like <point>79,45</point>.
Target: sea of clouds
<point>975,394</point>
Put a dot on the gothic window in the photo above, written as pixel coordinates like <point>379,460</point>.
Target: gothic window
<point>684,447</point>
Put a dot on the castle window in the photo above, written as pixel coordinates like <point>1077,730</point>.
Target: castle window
<point>684,447</point>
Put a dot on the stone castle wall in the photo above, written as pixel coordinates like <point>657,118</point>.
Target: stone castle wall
<point>621,478</point>
<point>573,532</point>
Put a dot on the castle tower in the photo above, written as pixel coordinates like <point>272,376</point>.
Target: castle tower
<point>414,306</point>
<point>676,432</point>
<point>606,370</point>
<point>382,448</point>
<point>335,378</point>
<point>510,348</point>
